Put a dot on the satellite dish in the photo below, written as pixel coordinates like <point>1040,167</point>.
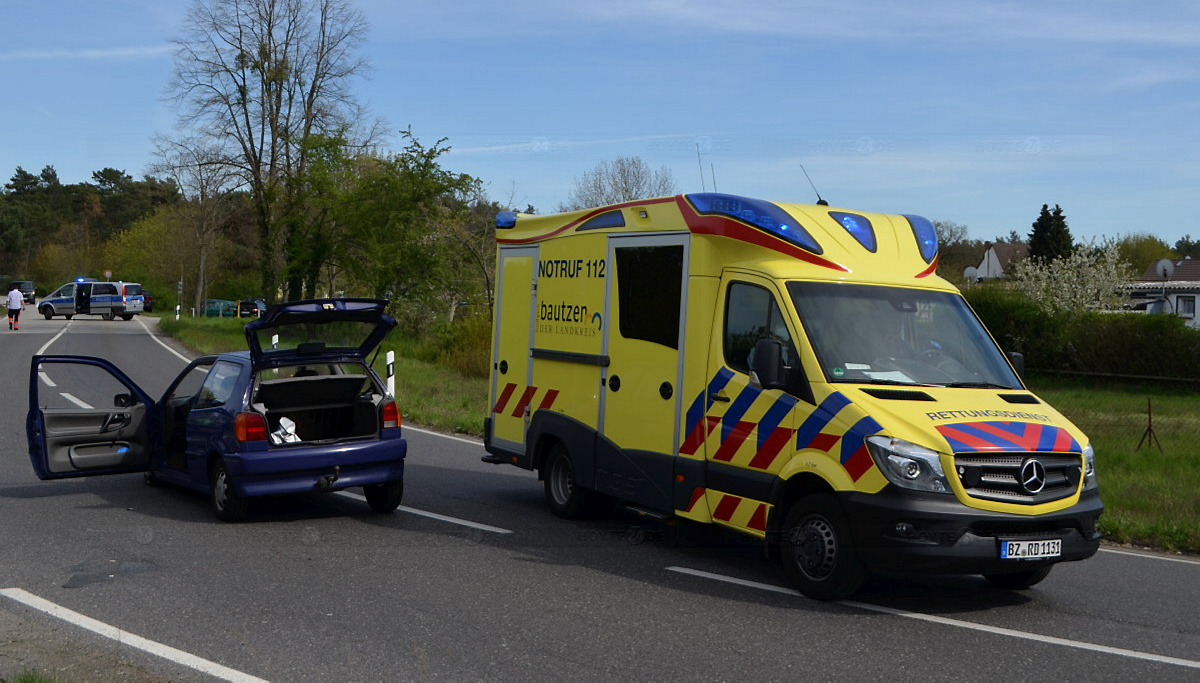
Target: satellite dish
<point>971,273</point>
<point>1165,268</point>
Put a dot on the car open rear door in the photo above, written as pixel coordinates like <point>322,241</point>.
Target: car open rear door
<point>87,418</point>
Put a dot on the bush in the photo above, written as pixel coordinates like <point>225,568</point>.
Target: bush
<point>463,345</point>
<point>1131,344</point>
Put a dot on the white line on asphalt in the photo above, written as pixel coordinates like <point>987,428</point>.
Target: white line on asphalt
<point>181,357</point>
<point>996,630</point>
<point>42,351</point>
<point>1150,556</point>
<point>445,436</point>
<point>76,401</point>
<point>46,378</point>
<point>158,649</point>
<point>442,518</point>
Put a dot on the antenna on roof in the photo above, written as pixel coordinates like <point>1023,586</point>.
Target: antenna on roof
<point>820,202</point>
<point>700,163</point>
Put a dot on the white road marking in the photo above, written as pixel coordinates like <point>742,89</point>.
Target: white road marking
<point>1151,556</point>
<point>42,351</point>
<point>995,630</point>
<point>178,355</point>
<point>158,649</point>
<point>74,400</point>
<point>441,518</point>
<point>46,378</point>
<point>444,436</point>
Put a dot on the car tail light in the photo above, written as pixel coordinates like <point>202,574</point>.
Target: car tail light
<point>391,415</point>
<point>250,427</point>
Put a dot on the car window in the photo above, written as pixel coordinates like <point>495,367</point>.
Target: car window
<point>103,288</point>
<point>65,290</point>
<point>219,386</point>
<point>188,384</point>
<point>133,290</point>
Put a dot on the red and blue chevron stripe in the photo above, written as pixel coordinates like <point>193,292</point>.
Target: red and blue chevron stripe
<point>971,437</point>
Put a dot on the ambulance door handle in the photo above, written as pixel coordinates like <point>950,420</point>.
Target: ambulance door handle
<point>718,397</point>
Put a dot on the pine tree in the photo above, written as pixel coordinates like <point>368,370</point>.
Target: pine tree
<point>1050,238</point>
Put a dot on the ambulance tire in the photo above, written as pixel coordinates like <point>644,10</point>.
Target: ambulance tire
<point>1019,580</point>
<point>817,552</point>
<point>564,498</point>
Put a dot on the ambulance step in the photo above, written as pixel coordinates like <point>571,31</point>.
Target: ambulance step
<point>495,459</point>
<point>649,514</point>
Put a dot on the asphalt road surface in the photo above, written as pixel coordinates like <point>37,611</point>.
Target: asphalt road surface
<point>473,579</point>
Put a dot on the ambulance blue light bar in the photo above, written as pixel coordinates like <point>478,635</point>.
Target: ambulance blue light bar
<point>763,215</point>
<point>858,226</point>
<point>926,236</point>
<point>506,219</point>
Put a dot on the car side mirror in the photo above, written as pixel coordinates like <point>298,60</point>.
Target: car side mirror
<point>122,400</point>
<point>1018,362</point>
<point>768,364</point>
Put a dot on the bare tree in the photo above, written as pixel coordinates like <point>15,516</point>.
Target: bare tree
<point>621,180</point>
<point>260,78</point>
<point>205,180</point>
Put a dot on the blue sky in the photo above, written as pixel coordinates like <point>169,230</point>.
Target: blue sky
<point>966,111</point>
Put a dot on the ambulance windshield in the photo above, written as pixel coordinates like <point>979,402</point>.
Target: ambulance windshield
<point>870,334</point>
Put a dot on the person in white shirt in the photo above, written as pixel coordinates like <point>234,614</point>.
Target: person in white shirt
<point>16,302</point>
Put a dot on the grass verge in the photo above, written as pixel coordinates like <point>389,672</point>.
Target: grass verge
<point>1152,496</point>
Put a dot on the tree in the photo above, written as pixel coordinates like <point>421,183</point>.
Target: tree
<point>261,77</point>
<point>1050,238</point>
<point>624,179</point>
<point>1140,250</point>
<point>1090,278</point>
<point>955,252</point>
<point>1187,247</point>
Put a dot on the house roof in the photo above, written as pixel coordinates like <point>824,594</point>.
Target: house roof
<point>1009,252</point>
<point>1186,270</point>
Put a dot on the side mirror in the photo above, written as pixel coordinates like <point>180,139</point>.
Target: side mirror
<point>122,400</point>
<point>768,364</point>
<point>1018,362</point>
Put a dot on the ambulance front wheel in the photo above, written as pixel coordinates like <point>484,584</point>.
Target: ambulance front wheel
<point>817,551</point>
<point>562,495</point>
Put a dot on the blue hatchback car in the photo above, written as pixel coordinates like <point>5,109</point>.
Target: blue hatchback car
<point>300,410</point>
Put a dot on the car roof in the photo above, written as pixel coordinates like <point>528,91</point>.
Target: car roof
<point>318,330</point>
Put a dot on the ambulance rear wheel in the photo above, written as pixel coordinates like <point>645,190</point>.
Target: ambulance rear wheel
<point>562,495</point>
<point>817,551</point>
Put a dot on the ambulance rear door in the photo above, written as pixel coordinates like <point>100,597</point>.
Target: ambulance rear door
<point>641,403</point>
<point>512,340</point>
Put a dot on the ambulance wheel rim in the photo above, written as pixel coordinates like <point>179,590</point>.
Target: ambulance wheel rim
<point>562,481</point>
<point>816,548</point>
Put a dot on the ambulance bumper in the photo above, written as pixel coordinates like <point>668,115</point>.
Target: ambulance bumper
<point>898,530</point>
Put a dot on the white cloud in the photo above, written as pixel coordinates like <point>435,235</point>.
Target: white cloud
<point>70,54</point>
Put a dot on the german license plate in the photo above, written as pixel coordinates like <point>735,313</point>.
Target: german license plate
<point>1030,550</point>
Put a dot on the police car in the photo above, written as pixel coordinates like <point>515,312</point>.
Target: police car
<point>84,297</point>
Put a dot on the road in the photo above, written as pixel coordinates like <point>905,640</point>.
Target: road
<point>474,579</point>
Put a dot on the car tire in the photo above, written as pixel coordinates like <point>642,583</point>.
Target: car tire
<point>563,496</point>
<point>48,312</point>
<point>384,498</point>
<point>151,480</point>
<point>227,505</point>
<point>69,316</point>
<point>817,550</point>
<point>107,316</point>
<point>1019,580</point>
<point>126,316</point>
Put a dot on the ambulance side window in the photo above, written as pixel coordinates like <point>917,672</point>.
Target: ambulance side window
<point>648,292</point>
<point>751,314</point>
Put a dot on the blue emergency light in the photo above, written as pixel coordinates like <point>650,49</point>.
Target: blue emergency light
<point>858,226</point>
<point>763,215</point>
<point>926,236</point>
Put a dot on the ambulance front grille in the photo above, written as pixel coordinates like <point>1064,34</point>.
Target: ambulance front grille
<point>998,476</point>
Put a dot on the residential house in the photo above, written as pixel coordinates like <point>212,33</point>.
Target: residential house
<point>998,257</point>
<point>1175,295</point>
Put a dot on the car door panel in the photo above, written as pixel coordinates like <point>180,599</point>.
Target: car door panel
<point>86,417</point>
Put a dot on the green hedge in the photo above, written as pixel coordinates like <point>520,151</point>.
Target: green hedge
<point>1129,344</point>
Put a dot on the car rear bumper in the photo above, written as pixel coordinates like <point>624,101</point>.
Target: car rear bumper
<point>322,468</point>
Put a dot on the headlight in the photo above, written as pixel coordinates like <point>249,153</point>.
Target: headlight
<point>1089,468</point>
<point>908,465</point>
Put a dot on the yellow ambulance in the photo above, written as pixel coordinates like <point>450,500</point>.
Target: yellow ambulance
<point>798,373</point>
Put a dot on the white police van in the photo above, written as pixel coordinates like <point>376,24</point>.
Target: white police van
<point>86,297</point>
